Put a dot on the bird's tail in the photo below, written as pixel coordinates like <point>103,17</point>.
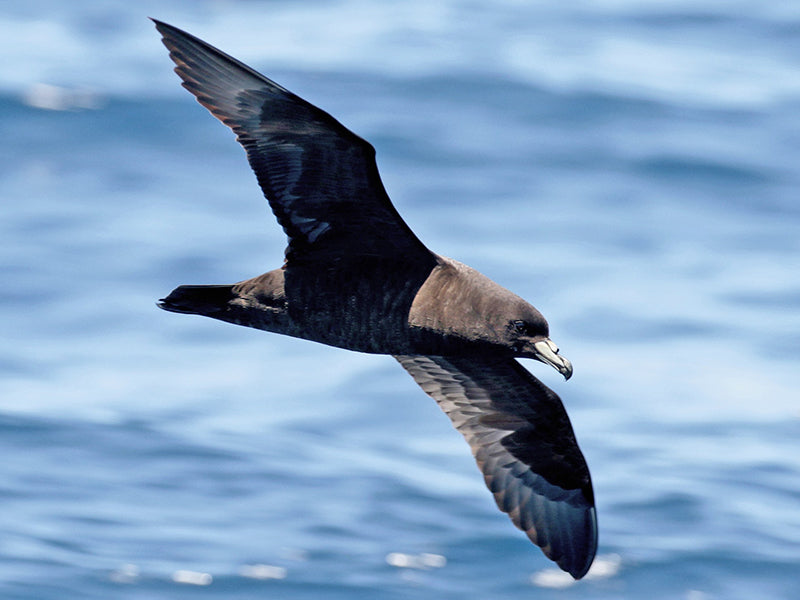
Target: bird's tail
<point>208,300</point>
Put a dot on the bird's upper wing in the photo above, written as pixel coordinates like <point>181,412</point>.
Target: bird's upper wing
<point>523,442</point>
<point>321,179</point>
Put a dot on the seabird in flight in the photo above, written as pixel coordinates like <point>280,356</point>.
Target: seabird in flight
<point>356,277</point>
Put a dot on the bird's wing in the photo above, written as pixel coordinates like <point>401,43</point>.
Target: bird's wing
<point>523,442</point>
<point>321,179</point>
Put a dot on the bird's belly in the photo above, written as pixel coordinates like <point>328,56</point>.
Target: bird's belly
<point>359,305</point>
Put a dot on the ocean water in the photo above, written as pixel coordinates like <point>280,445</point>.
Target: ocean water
<point>631,168</point>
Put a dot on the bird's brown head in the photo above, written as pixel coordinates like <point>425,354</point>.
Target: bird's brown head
<point>467,311</point>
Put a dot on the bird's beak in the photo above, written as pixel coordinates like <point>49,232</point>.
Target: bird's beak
<point>547,352</point>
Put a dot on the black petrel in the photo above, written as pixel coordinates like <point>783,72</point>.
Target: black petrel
<point>355,276</point>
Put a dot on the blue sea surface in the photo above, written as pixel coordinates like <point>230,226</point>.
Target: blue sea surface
<point>631,168</point>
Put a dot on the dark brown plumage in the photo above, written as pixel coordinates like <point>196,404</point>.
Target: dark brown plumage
<point>356,277</point>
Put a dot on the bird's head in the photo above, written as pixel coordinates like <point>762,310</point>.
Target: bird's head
<point>525,331</point>
<point>468,310</point>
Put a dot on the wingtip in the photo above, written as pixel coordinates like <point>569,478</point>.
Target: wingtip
<point>165,28</point>
<point>579,568</point>
<point>577,572</point>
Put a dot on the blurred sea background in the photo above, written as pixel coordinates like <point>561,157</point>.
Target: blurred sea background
<point>630,167</point>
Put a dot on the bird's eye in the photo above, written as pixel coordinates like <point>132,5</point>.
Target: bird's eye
<point>520,327</point>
